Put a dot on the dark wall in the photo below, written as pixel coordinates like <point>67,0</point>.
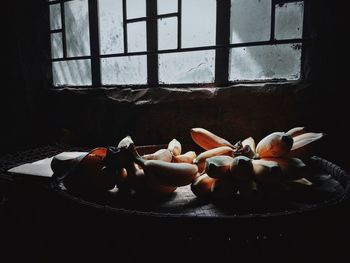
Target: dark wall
<point>24,115</point>
<point>34,115</point>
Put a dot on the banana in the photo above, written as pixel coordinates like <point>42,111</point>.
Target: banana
<point>268,172</point>
<point>296,131</point>
<point>141,183</point>
<point>292,168</point>
<point>175,147</point>
<point>223,189</point>
<point>277,144</point>
<point>202,185</point>
<point>246,188</point>
<point>304,145</point>
<point>250,142</point>
<point>122,181</point>
<point>169,174</point>
<point>207,140</point>
<point>187,157</point>
<point>89,174</point>
<point>241,169</point>
<point>162,154</point>
<point>218,166</point>
<point>125,142</point>
<point>302,181</point>
<point>201,158</point>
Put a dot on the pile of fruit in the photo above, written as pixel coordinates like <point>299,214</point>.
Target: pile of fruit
<point>221,170</point>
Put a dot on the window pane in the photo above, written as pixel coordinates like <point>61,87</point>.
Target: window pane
<point>135,8</point>
<point>187,67</point>
<point>77,28</point>
<point>167,33</point>
<point>56,45</point>
<point>137,37</point>
<point>265,62</point>
<point>124,70</point>
<point>72,72</point>
<point>55,17</point>
<point>167,6</point>
<point>289,20</point>
<point>198,23</point>
<point>250,20</point>
<point>111,26</point>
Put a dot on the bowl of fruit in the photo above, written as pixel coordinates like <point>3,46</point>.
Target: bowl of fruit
<point>210,179</point>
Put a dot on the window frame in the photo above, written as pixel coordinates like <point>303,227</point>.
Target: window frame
<point>222,47</point>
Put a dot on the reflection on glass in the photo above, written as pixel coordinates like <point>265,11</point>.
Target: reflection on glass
<point>265,62</point>
<point>56,45</point>
<point>250,20</point>
<point>55,17</point>
<point>198,23</point>
<point>289,20</point>
<point>137,37</point>
<point>187,67</point>
<point>124,70</point>
<point>135,8</point>
<point>77,28</point>
<point>111,26</point>
<point>167,6</point>
<point>167,33</point>
<point>72,72</point>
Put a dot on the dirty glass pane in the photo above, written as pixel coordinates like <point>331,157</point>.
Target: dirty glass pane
<point>167,33</point>
<point>77,28</point>
<point>137,37</point>
<point>198,23</point>
<point>166,6</point>
<point>187,67</point>
<point>56,45</point>
<point>250,20</point>
<point>265,62</point>
<point>135,8</point>
<point>55,17</point>
<point>110,14</point>
<point>124,70</point>
<point>72,72</point>
<point>289,20</point>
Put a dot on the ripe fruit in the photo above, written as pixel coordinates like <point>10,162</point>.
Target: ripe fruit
<point>208,140</point>
<point>277,144</point>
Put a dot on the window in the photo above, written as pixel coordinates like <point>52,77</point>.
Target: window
<point>163,42</point>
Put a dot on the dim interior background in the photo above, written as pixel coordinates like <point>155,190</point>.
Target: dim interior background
<point>34,114</point>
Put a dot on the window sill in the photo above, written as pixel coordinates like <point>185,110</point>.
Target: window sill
<point>149,96</point>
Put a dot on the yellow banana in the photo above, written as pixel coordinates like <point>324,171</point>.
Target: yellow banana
<point>201,158</point>
<point>141,183</point>
<point>162,154</point>
<point>304,145</point>
<point>250,142</point>
<point>89,175</point>
<point>223,188</point>
<point>202,185</point>
<point>175,147</point>
<point>187,157</point>
<point>292,168</point>
<point>169,174</point>
<point>296,131</point>
<point>267,172</point>
<point>277,144</point>
<point>125,142</point>
<point>246,188</point>
<point>218,166</point>
<point>208,140</point>
<point>241,169</point>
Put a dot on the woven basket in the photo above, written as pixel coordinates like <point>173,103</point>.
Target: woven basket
<point>183,205</point>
